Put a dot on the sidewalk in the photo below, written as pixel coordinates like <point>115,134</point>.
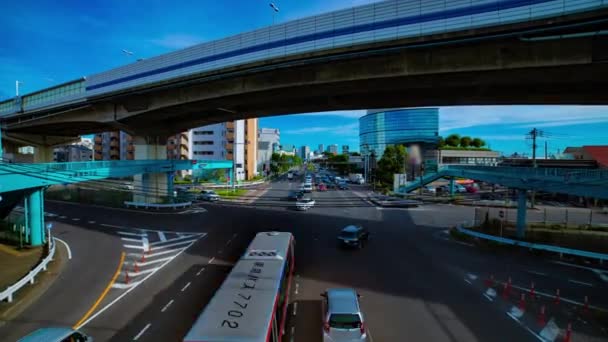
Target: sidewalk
<point>15,264</point>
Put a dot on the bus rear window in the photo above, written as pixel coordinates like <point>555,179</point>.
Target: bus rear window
<point>344,321</point>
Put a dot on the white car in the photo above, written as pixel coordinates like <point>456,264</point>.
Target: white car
<point>307,187</point>
<point>209,195</point>
<point>305,203</point>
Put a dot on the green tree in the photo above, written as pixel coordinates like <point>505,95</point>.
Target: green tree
<point>339,163</point>
<point>392,161</point>
<point>440,142</point>
<point>465,141</point>
<point>477,143</point>
<point>453,140</point>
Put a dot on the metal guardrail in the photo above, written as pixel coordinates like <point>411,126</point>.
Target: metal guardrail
<point>158,206</point>
<point>538,246</point>
<point>29,278</point>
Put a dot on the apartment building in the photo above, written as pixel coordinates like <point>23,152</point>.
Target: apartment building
<point>178,146</point>
<point>233,140</point>
<point>115,145</point>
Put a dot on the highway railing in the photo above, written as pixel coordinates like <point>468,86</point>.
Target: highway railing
<point>158,206</point>
<point>29,278</point>
<point>538,246</point>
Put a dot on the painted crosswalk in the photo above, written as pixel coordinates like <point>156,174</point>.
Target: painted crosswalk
<point>147,251</point>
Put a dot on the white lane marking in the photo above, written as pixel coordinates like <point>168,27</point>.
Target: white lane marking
<point>62,217</point>
<point>131,239</point>
<point>185,287</point>
<point>181,237</point>
<point>488,297</point>
<point>575,265</point>
<point>292,338</point>
<point>131,234</point>
<point>113,226</point>
<point>369,333</point>
<point>228,242</point>
<point>143,230</point>
<point>91,222</point>
<point>516,319</point>
<point>151,255</point>
<point>166,306</point>
<point>174,244</point>
<point>471,276</point>
<point>550,331</point>
<point>201,271</point>
<point>136,274</point>
<point>537,273</point>
<point>162,237</point>
<point>580,282</point>
<point>122,286</point>
<point>468,281</point>
<point>234,235</point>
<point>295,308</point>
<point>134,247</point>
<point>211,260</point>
<point>151,262</point>
<point>146,245</point>
<point>75,219</point>
<point>142,332</point>
<point>220,251</point>
<point>129,290</point>
<point>464,243</point>
<point>491,293</point>
<point>66,246</point>
<point>297,287</point>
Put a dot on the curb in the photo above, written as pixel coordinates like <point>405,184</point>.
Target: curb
<point>30,294</point>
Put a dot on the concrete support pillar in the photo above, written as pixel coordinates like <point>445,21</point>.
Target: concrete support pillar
<point>43,154</point>
<point>170,176</point>
<point>34,216</point>
<point>522,207</point>
<point>452,186</point>
<point>150,187</point>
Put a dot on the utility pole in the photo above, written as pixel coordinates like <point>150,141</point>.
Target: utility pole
<point>545,149</point>
<point>533,134</point>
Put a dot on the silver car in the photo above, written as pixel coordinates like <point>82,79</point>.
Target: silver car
<point>209,195</point>
<point>342,317</point>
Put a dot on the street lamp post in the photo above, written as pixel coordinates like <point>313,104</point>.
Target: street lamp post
<point>275,10</point>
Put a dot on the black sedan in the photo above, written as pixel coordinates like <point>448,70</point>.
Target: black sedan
<point>353,236</point>
<point>295,195</point>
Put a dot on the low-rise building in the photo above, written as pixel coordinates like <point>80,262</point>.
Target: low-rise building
<point>463,157</point>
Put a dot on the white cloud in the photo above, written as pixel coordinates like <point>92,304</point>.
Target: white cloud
<point>349,129</point>
<point>176,41</point>
<point>526,116</point>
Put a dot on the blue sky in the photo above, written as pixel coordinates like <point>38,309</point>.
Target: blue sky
<point>45,44</point>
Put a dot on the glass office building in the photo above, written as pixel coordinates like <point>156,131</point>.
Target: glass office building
<point>403,126</point>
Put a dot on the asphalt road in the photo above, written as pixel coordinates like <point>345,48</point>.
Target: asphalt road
<point>410,276</point>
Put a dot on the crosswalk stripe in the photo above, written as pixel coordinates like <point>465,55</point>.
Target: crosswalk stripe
<point>174,244</point>
<point>162,236</point>
<point>182,237</point>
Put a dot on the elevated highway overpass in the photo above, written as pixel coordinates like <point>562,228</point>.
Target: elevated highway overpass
<point>392,53</point>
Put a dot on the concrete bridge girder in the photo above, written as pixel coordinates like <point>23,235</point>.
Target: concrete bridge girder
<point>499,71</point>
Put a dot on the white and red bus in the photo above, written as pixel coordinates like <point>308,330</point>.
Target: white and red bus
<point>251,304</point>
